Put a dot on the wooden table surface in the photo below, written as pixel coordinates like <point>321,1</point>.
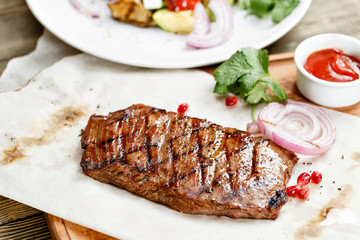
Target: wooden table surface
<point>19,31</point>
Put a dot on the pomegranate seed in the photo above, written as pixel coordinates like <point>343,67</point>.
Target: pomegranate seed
<point>292,191</point>
<point>231,101</point>
<point>316,177</point>
<point>303,179</point>
<point>182,108</point>
<point>303,193</point>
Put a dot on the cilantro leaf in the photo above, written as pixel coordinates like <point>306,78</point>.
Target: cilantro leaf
<point>244,4</point>
<point>282,9</point>
<point>221,88</point>
<point>260,8</point>
<point>246,74</point>
<point>275,87</point>
<point>278,9</point>
<point>257,94</point>
<point>250,62</point>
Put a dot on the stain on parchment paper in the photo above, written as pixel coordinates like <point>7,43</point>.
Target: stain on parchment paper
<point>10,155</point>
<point>65,117</point>
<point>355,156</point>
<point>313,229</point>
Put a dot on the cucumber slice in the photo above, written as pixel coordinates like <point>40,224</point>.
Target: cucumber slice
<point>176,22</point>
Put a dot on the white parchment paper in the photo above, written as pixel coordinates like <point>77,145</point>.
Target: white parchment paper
<point>40,155</point>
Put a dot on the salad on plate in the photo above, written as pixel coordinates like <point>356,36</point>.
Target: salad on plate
<point>208,23</point>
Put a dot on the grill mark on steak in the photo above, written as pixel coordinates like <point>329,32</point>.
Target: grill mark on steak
<point>147,146</point>
<point>172,161</point>
<point>276,200</point>
<point>199,156</point>
<point>147,141</point>
<point>228,164</point>
<point>188,164</point>
<point>253,162</point>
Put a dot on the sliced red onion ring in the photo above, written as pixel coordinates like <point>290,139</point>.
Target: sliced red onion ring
<point>297,126</point>
<point>80,6</point>
<point>201,37</point>
<point>202,22</point>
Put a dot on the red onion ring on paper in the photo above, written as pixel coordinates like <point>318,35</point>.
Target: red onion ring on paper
<point>79,6</point>
<point>297,126</point>
<point>202,37</point>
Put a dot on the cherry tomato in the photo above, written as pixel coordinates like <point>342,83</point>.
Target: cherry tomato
<point>180,5</point>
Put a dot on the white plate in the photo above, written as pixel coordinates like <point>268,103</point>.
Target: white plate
<point>152,47</point>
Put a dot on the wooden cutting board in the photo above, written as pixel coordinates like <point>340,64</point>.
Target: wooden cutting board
<point>282,67</point>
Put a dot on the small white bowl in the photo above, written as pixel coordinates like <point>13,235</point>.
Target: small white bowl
<point>325,93</point>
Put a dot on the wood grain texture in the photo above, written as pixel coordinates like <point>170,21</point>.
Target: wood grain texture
<point>7,4</point>
<point>323,17</point>
<point>34,227</point>
<point>13,211</point>
<point>19,221</point>
<point>3,64</point>
<point>19,30</point>
<point>65,230</point>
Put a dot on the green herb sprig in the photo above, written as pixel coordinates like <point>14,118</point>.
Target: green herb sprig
<point>278,9</point>
<point>246,74</point>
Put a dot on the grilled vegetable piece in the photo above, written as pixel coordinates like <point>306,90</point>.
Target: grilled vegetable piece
<point>131,11</point>
<point>189,164</point>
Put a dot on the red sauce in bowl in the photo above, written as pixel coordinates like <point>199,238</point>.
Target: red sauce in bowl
<point>333,65</point>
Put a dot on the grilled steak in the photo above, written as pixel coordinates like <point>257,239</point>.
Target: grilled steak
<point>189,164</point>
